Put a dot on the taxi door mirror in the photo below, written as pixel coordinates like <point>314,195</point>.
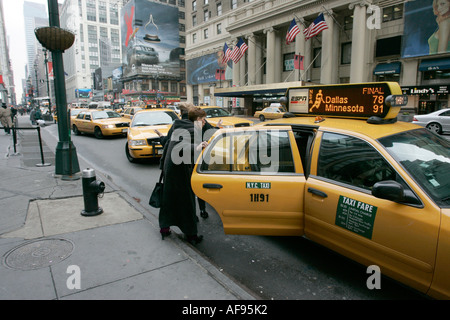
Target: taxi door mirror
<point>389,190</point>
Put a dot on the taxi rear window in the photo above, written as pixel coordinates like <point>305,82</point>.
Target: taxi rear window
<point>426,157</point>
<point>250,151</point>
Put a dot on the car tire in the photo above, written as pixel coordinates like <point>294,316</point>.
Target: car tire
<point>98,133</point>
<point>127,153</point>
<point>75,130</point>
<point>262,118</point>
<point>434,127</point>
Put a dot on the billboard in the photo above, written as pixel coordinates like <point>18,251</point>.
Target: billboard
<point>429,36</point>
<point>150,39</point>
<point>205,69</point>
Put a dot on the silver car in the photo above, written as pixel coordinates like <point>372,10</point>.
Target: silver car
<point>438,121</point>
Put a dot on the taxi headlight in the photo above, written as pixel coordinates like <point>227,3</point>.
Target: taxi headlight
<point>229,126</point>
<point>251,124</point>
<point>108,126</point>
<point>137,142</point>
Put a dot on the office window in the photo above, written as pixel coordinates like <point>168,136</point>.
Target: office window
<point>393,13</point>
<point>219,28</point>
<point>194,5</point>
<point>219,9</point>
<point>205,34</point>
<point>205,15</point>
<point>194,21</point>
<point>346,53</point>
<point>318,57</point>
<point>194,38</point>
<point>234,4</point>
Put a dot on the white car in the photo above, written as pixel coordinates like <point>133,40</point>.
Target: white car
<point>438,121</point>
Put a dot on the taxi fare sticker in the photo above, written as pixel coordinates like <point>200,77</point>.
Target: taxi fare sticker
<point>257,185</point>
<point>355,216</point>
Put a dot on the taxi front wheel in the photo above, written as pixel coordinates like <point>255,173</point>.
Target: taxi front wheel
<point>127,153</point>
<point>262,118</point>
<point>98,133</point>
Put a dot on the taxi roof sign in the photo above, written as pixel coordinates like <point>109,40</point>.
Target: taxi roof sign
<point>358,100</point>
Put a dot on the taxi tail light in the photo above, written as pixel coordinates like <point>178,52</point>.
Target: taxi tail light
<point>414,119</point>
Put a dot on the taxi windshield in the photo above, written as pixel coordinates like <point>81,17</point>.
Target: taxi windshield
<point>104,115</point>
<point>426,157</point>
<point>153,118</point>
<point>216,112</point>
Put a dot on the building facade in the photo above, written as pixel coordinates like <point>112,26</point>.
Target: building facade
<point>365,41</point>
<point>96,26</point>
<point>7,91</point>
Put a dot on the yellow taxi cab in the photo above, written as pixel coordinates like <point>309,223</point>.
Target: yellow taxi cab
<point>130,112</point>
<point>142,141</point>
<point>74,113</point>
<point>100,123</point>
<point>341,171</point>
<point>271,112</point>
<point>214,114</point>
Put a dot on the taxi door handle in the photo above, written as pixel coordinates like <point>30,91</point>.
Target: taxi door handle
<point>212,186</point>
<point>318,192</point>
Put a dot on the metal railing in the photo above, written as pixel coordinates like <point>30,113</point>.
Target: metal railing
<point>38,128</point>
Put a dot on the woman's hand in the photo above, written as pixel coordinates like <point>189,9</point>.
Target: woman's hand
<point>202,145</point>
<point>157,132</point>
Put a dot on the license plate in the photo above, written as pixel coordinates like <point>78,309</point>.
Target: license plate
<point>160,151</point>
<point>124,130</point>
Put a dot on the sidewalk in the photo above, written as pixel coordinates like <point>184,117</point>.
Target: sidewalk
<point>50,251</point>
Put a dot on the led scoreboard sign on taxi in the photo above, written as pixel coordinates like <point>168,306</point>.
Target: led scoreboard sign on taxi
<point>382,99</point>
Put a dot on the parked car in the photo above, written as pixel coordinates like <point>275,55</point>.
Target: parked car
<point>100,123</point>
<point>142,141</point>
<point>272,112</point>
<point>438,121</point>
<point>214,114</point>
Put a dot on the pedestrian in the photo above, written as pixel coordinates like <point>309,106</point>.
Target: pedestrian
<point>178,200</point>
<point>207,132</point>
<point>5,118</point>
<point>33,116</point>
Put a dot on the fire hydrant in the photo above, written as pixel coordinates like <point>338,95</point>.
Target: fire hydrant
<point>91,189</point>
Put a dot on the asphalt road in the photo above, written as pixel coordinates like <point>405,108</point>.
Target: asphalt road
<point>280,268</point>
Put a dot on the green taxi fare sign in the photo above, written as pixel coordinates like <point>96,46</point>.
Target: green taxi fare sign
<point>359,100</point>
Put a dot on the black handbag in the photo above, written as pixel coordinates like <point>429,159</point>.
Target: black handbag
<point>157,193</point>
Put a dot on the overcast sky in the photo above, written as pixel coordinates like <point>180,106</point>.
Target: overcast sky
<point>15,31</point>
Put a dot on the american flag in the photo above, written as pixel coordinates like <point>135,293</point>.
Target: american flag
<point>226,54</point>
<point>292,32</point>
<point>238,51</point>
<point>316,27</point>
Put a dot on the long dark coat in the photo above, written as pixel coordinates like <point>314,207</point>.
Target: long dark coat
<point>178,203</point>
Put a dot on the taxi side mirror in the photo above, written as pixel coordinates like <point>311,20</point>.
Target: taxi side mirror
<point>389,190</point>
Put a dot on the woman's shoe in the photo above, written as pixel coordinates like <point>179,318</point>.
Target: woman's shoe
<point>194,239</point>
<point>204,214</point>
<point>165,232</point>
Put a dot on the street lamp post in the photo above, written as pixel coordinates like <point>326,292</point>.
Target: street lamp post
<point>57,40</point>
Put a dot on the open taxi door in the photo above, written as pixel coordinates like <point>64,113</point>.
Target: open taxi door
<point>254,179</point>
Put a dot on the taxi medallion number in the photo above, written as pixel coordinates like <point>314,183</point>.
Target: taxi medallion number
<point>258,197</point>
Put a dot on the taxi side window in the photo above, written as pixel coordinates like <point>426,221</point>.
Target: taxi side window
<point>87,117</point>
<point>255,151</point>
<point>352,161</point>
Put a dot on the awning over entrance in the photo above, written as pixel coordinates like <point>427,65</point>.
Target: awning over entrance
<point>435,64</point>
<point>260,90</point>
<point>387,68</point>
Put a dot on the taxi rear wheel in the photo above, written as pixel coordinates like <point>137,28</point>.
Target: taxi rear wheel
<point>75,130</point>
<point>98,133</point>
<point>127,153</point>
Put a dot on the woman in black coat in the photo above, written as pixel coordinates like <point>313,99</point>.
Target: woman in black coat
<point>178,201</point>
